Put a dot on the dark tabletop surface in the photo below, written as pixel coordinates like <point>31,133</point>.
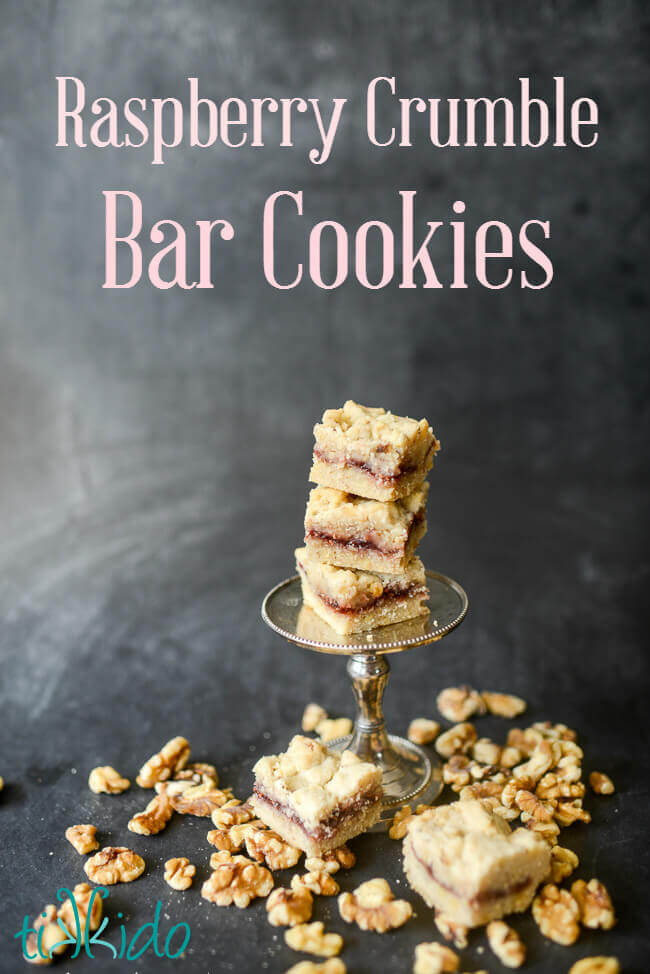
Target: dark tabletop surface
<point>154,447</point>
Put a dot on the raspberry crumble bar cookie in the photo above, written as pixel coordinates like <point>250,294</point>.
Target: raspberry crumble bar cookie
<point>315,798</point>
<point>464,861</point>
<point>371,452</point>
<point>354,532</point>
<point>354,601</point>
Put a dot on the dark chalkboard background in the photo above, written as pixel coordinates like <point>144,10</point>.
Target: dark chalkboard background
<point>154,446</point>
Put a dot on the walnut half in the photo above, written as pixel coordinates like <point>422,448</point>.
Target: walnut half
<point>433,958</point>
<point>51,938</point>
<point>506,943</point>
<point>289,907</point>
<point>557,914</point>
<point>82,837</point>
<point>237,880</point>
<point>107,781</point>
<point>595,905</point>
<point>171,758</point>
<point>312,939</point>
<point>373,907</point>
<point>114,864</point>
<point>179,873</point>
<point>85,897</point>
<point>332,965</point>
<point>154,818</point>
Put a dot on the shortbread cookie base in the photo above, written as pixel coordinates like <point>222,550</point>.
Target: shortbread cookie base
<point>357,480</point>
<point>394,609</point>
<point>297,836</point>
<point>471,912</point>
<point>366,559</point>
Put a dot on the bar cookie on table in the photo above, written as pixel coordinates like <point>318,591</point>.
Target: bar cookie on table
<point>372,453</point>
<point>314,798</point>
<point>349,600</point>
<point>466,862</point>
<point>354,532</point>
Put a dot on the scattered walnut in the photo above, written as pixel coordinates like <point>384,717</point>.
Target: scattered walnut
<point>232,839</point>
<point>267,846</point>
<point>482,789</point>
<point>82,837</point>
<point>423,731</point>
<point>486,751</point>
<point>332,861</point>
<point>114,864</point>
<point>107,781</point>
<point>237,880</point>
<point>312,939</point>
<point>400,822</point>
<point>550,787</point>
<point>459,703</point>
<point>154,818</point>
<point>524,740</point>
<point>567,813</point>
<point>50,939</point>
<point>329,729</point>
<point>509,792</point>
<point>506,943</point>
<point>455,772</point>
<point>232,813</point>
<point>548,831</point>
<point>318,881</point>
<point>201,800</point>
<point>179,873</point>
<point>452,930</point>
<point>289,907</point>
<point>595,905</point>
<point>563,863</point>
<point>509,814</point>
<point>312,716</point>
<point>457,740</point>
<point>555,732</point>
<point>372,907</point>
<point>331,966</point>
<point>198,773</point>
<point>168,761</point>
<point>557,914</point>
<point>503,704</point>
<point>568,769</point>
<point>541,760</point>
<point>433,958</point>
<point>510,756</point>
<point>601,783</point>
<point>533,807</point>
<point>596,965</point>
<point>85,897</point>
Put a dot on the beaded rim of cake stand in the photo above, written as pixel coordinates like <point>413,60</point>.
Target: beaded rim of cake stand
<point>395,645</point>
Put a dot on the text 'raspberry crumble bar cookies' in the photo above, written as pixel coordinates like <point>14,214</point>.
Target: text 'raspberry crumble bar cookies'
<point>315,798</point>
<point>371,452</point>
<point>354,601</point>
<point>467,864</point>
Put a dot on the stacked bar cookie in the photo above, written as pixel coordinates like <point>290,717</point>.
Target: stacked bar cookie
<point>366,517</point>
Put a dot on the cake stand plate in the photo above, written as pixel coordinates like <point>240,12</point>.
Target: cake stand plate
<point>410,774</point>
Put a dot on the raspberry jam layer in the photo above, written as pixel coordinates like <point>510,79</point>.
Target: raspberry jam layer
<point>484,896</point>
<point>328,827</point>
<point>386,480</point>
<point>388,596</point>
<point>367,542</point>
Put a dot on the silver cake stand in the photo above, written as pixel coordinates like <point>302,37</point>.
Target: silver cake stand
<point>410,774</point>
